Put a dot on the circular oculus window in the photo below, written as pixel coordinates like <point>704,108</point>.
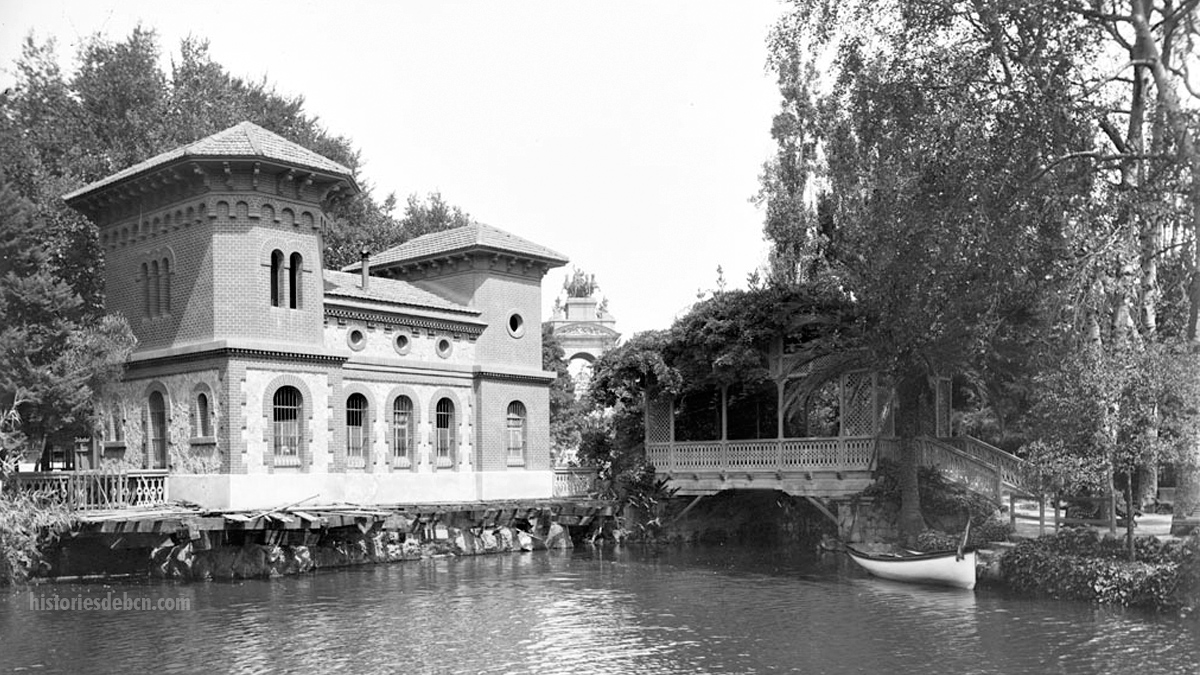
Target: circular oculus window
<point>444,348</point>
<point>356,339</point>
<point>516,325</point>
<point>402,344</point>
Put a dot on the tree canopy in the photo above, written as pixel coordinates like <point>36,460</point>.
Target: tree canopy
<point>998,184</point>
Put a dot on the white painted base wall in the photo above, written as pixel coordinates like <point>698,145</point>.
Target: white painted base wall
<point>236,492</point>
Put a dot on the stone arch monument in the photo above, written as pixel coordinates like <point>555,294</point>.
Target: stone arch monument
<point>583,327</point>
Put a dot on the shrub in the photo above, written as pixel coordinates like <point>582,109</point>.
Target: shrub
<point>1079,564</point>
<point>28,523</point>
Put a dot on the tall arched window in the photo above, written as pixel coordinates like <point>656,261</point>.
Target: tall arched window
<point>356,435</point>
<point>157,431</point>
<point>445,433</point>
<point>514,433</point>
<point>402,432</point>
<point>164,293</point>
<point>203,424</point>
<point>276,278</point>
<point>295,273</point>
<point>146,290</point>
<point>155,308</point>
<point>288,416</point>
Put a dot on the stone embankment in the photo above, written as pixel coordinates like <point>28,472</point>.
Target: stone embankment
<point>188,561</point>
<point>186,544</point>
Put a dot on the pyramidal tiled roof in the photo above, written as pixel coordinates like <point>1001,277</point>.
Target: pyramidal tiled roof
<point>391,291</point>
<point>475,235</point>
<point>242,140</point>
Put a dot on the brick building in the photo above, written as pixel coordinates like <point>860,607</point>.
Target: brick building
<point>262,378</point>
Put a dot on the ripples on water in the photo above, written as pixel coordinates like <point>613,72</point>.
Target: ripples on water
<point>592,611</point>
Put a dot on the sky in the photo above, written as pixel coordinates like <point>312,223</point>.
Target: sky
<point>628,136</point>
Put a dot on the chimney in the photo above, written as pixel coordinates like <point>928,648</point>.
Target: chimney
<point>366,268</point>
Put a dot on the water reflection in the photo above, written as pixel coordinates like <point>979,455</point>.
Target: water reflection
<point>594,611</point>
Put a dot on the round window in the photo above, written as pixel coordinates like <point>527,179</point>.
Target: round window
<point>402,344</point>
<point>444,348</point>
<point>356,339</point>
<point>516,325</point>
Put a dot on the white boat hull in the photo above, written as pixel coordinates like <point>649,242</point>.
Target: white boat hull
<point>943,569</point>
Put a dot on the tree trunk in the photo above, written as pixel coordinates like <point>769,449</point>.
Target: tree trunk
<point>908,426</point>
<point>1189,153</point>
<point>1147,485</point>
<point>1129,522</point>
<point>1187,490</point>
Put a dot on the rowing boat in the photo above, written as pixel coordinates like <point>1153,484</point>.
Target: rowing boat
<point>943,568</point>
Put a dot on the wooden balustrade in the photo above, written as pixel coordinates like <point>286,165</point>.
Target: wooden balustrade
<point>574,481</point>
<point>95,490</point>
<point>845,453</point>
<point>984,469</point>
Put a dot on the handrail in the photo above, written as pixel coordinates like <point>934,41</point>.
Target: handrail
<point>99,489</point>
<point>979,475</point>
<point>1012,467</point>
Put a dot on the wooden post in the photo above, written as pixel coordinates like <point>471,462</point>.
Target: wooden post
<point>1041,515</point>
<point>1012,510</point>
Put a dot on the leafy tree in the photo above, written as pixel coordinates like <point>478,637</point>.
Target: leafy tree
<point>53,354</point>
<point>924,162</point>
<point>565,409</point>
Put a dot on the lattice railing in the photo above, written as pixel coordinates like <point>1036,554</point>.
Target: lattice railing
<point>95,490</point>
<point>794,454</point>
<point>1012,468</point>
<point>972,472</point>
<point>574,482</point>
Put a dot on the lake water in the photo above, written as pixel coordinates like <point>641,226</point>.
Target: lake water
<point>680,610</point>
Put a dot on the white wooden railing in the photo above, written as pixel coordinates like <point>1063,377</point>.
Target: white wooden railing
<point>1013,469</point>
<point>843,453</point>
<point>981,467</point>
<point>101,489</point>
<point>574,481</point>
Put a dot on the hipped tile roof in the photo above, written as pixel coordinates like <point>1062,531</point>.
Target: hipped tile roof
<point>476,235</point>
<point>391,291</point>
<point>247,140</point>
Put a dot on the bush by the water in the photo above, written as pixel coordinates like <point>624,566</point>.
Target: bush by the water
<point>990,530</point>
<point>1080,564</point>
<point>28,522</point>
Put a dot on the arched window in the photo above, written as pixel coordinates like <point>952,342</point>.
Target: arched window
<point>356,426</point>
<point>277,278</point>
<point>164,293</point>
<point>203,423</point>
<point>514,433</point>
<point>156,437</point>
<point>295,271</point>
<point>402,432</point>
<point>116,425</point>
<point>445,433</point>
<point>287,412</point>
<point>154,289</point>
<point>146,290</point>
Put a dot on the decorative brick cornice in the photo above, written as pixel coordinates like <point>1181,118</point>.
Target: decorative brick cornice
<point>471,330</point>
<point>514,377</point>
<point>235,352</point>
